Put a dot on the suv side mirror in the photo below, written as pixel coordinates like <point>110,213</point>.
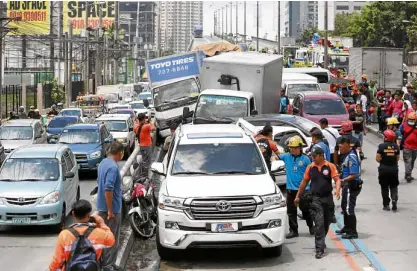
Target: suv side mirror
<point>295,110</point>
<point>158,168</point>
<point>277,166</point>
<point>69,175</point>
<point>53,140</point>
<point>186,112</point>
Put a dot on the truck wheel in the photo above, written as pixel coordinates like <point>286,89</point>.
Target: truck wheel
<point>165,253</point>
<point>272,252</point>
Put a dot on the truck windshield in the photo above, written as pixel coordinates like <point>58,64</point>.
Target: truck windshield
<point>325,107</point>
<point>70,112</point>
<point>224,158</point>
<point>174,92</point>
<point>339,61</point>
<point>293,89</point>
<point>221,106</point>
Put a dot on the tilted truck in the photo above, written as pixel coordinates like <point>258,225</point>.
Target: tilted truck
<point>383,65</point>
<point>236,85</point>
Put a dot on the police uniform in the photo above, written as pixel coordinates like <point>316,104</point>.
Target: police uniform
<point>388,172</point>
<point>295,167</point>
<point>350,192</point>
<point>355,143</point>
<point>322,205</point>
<point>325,147</point>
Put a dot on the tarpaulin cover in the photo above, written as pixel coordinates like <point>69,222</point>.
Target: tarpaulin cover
<point>210,49</point>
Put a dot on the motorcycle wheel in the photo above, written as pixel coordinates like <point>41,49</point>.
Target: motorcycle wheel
<point>143,227</point>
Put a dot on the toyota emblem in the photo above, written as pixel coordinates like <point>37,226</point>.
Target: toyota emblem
<point>223,206</point>
<point>21,199</point>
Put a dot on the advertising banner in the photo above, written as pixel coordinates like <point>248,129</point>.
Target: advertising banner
<point>28,17</point>
<point>173,67</point>
<point>74,13</point>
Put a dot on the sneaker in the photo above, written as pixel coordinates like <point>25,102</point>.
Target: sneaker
<point>386,208</point>
<point>312,230</point>
<point>409,179</point>
<point>412,178</point>
<point>292,234</point>
<point>319,254</point>
<point>394,206</point>
<point>349,236</point>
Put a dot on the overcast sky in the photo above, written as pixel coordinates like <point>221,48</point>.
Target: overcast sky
<point>268,11</point>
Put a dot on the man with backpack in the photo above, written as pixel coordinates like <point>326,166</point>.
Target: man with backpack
<point>144,137</point>
<point>80,246</point>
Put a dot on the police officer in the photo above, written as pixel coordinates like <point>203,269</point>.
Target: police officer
<point>387,156</point>
<point>352,186</point>
<point>347,128</point>
<point>296,163</point>
<point>320,173</point>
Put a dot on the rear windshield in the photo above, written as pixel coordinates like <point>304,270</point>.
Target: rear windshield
<point>61,122</point>
<point>324,107</point>
<point>293,89</point>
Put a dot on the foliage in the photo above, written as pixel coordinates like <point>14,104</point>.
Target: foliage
<point>109,32</point>
<point>345,25</point>
<point>57,93</point>
<point>307,35</point>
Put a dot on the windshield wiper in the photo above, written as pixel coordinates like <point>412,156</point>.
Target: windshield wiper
<point>191,173</point>
<point>7,180</point>
<point>33,180</point>
<point>234,172</point>
<point>63,142</point>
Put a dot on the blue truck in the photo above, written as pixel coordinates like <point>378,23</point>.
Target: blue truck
<point>198,31</point>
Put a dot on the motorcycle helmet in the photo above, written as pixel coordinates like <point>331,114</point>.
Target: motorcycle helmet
<point>392,121</point>
<point>347,127</point>
<point>371,110</point>
<point>389,135</point>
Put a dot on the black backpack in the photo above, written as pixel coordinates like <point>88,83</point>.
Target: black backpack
<point>83,256</point>
<point>266,150</point>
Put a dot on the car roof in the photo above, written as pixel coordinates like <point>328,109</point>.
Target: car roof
<point>212,133</point>
<point>21,122</point>
<point>322,95</point>
<point>290,120</point>
<point>297,76</point>
<point>71,109</point>
<point>81,126</point>
<point>227,92</point>
<point>38,151</point>
<point>113,117</point>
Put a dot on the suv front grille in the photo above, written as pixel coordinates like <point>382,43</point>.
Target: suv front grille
<point>21,201</point>
<point>32,216</point>
<point>208,209</point>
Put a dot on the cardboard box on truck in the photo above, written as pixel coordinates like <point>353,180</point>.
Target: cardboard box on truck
<point>257,73</point>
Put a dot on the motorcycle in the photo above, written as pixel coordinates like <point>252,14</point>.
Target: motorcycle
<point>142,209</point>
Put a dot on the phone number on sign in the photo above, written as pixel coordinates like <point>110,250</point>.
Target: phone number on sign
<point>172,70</point>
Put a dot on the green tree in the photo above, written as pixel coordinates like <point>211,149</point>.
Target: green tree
<point>57,93</point>
<point>345,25</point>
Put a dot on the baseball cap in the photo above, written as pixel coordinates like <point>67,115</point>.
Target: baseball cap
<point>316,151</point>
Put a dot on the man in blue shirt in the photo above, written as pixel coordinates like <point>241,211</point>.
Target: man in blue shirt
<point>109,200</point>
<point>295,165</point>
<point>352,186</point>
<point>318,141</point>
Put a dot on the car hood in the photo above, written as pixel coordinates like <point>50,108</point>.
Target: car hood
<point>84,148</point>
<point>219,186</point>
<point>333,119</point>
<point>54,131</point>
<point>119,134</point>
<point>27,189</point>
<point>13,144</point>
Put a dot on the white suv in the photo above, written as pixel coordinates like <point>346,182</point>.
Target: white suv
<point>217,192</point>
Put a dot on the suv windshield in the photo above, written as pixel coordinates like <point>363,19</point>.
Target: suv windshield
<point>16,133</point>
<point>221,106</point>
<point>114,125</point>
<point>60,122</point>
<point>293,89</point>
<point>137,106</point>
<point>78,136</point>
<point>217,159</point>
<point>70,113</point>
<point>324,107</point>
<point>175,91</point>
<point>30,169</point>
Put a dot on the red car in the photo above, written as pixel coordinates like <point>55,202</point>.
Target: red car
<point>315,105</point>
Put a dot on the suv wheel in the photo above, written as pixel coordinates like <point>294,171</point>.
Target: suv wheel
<point>165,253</point>
<point>272,251</point>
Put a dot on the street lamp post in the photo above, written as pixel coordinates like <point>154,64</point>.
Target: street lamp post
<point>257,26</point>
<point>237,22</point>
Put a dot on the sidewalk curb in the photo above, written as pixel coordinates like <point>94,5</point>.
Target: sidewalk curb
<point>125,244</point>
<point>373,131</point>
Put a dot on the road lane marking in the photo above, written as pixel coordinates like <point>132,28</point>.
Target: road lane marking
<point>346,255</point>
<point>350,248</point>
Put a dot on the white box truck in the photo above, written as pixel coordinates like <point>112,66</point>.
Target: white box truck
<point>383,65</point>
<point>239,84</point>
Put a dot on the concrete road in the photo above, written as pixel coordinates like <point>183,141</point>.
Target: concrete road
<point>387,239</point>
<point>31,248</point>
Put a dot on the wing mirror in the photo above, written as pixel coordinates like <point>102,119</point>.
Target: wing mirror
<point>158,168</point>
<point>277,166</point>
<point>53,140</point>
<point>69,175</point>
<point>108,140</point>
<point>254,112</point>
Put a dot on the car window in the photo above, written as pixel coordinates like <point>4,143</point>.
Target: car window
<point>74,162</point>
<point>64,165</point>
<point>30,169</point>
<point>68,161</point>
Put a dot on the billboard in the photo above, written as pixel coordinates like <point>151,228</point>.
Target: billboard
<point>74,12</point>
<point>173,67</point>
<point>28,17</point>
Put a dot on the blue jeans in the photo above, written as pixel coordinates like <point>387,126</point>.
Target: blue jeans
<point>359,136</point>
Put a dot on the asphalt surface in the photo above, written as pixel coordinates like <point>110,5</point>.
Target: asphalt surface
<point>31,248</point>
<point>387,239</point>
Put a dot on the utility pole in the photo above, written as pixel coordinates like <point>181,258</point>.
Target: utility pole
<point>116,38</point>
<point>227,32</point>
<point>87,53</point>
<point>214,22</point>
<point>231,18</point>
<point>69,57</point>
<point>66,82</point>
<point>244,19</point>
<point>326,53</point>
<point>222,24</point>
<point>237,12</point>
<point>59,43</point>
<point>279,28</point>
<point>257,26</point>
<point>135,53</point>
<point>98,51</point>
<point>51,42</point>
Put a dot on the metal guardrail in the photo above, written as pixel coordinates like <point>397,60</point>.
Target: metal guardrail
<point>126,167</point>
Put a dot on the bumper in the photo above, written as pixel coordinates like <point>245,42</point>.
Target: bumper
<point>197,233</point>
<point>49,214</point>
<point>90,164</point>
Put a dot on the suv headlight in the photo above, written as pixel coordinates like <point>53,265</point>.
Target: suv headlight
<point>50,198</point>
<point>95,154</point>
<point>171,202</point>
<point>273,201</point>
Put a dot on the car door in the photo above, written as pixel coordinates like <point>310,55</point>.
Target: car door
<point>71,167</point>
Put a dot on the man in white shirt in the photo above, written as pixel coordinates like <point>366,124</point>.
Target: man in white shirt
<point>331,134</point>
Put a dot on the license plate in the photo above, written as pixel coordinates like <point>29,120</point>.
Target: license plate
<point>224,227</point>
<point>21,220</point>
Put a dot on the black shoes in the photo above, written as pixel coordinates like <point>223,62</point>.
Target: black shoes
<point>312,230</point>
<point>319,254</point>
<point>339,232</point>
<point>386,208</point>
<point>394,206</point>
<point>333,219</point>
<point>300,216</point>
<point>409,178</point>
<point>292,234</point>
<point>350,235</point>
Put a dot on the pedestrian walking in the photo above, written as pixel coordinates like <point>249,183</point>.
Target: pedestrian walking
<point>296,163</point>
<point>407,109</point>
<point>145,142</point>
<point>358,119</point>
<point>320,175</point>
<point>352,186</point>
<point>169,138</point>
<point>109,200</point>
<point>331,134</point>
<point>410,145</point>
<point>409,96</point>
<point>379,102</point>
<point>388,155</point>
<point>386,108</point>
<point>98,235</point>
<point>397,107</point>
